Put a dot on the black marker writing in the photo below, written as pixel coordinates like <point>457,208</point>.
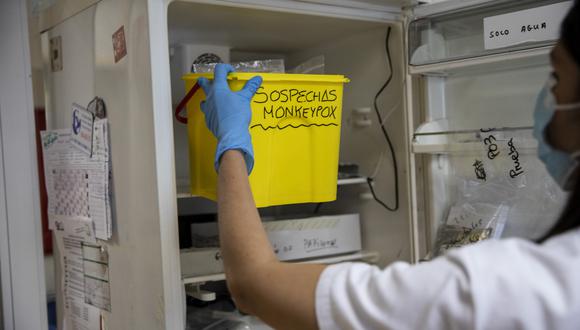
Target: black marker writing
<point>265,128</point>
<point>534,27</point>
<point>294,95</point>
<point>495,34</point>
<point>298,111</point>
<point>479,170</point>
<point>296,108</point>
<point>316,244</point>
<point>492,149</point>
<point>513,152</point>
<point>487,130</point>
<point>283,249</point>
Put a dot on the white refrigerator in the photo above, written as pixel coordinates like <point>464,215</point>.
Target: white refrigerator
<point>455,110</point>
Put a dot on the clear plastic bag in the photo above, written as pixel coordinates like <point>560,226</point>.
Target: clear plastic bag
<point>534,199</point>
<point>272,66</point>
<point>314,65</point>
<point>502,190</point>
<point>469,223</point>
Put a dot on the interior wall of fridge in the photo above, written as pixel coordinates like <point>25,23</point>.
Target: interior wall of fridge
<point>354,48</point>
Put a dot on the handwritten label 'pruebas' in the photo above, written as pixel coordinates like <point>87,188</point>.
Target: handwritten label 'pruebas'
<point>530,25</point>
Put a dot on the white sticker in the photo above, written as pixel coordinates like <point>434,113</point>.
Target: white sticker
<point>82,129</point>
<point>77,228</point>
<point>530,25</point>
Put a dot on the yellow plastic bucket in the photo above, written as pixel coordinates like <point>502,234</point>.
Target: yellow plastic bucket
<point>295,131</point>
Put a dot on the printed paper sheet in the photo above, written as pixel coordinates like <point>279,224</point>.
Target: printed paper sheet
<point>78,185</point>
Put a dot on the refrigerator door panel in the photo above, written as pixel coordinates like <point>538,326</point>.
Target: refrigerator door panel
<point>493,99</point>
<point>145,286</point>
<point>492,28</point>
<point>471,110</point>
<point>53,12</point>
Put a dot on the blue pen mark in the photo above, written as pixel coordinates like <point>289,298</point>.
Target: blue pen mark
<point>76,125</point>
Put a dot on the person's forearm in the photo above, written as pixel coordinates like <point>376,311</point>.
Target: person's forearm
<point>279,293</point>
<point>243,240</point>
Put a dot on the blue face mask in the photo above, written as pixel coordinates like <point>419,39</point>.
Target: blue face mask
<point>560,165</point>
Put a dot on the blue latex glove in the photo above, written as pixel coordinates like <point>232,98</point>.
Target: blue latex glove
<point>228,114</point>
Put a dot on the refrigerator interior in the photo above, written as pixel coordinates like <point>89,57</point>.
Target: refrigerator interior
<point>354,48</point>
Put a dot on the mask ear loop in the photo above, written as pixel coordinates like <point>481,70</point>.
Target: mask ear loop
<point>550,84</point>
<point>567,107</point>
<point>573,174</point>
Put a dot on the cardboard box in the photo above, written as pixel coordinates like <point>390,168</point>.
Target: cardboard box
<point>292,239</point>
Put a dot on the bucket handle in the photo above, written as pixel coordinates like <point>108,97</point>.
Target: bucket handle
<point>183,103</point>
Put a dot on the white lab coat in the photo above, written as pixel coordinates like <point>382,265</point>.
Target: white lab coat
<point>497,284</point>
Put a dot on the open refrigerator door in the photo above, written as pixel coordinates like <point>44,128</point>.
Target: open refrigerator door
<point>474,72</point>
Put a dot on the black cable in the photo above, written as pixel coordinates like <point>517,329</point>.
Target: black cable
<point>317,207</point>
<point>386,134</point>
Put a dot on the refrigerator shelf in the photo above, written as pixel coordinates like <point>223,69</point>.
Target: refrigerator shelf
<point>464,148</point>
<point>351,181</point>
<point>457,31</point>
<point>183,191</point>
<point>366,256</point>
<point>470,140</point>
<point>489,63</point>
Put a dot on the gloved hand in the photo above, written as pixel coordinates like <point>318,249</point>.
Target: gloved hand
<point>228,114</point>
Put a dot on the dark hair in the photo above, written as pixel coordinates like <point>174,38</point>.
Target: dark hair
<point>570,32</point>
<point>570,218</point>
<point>570,39</point>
